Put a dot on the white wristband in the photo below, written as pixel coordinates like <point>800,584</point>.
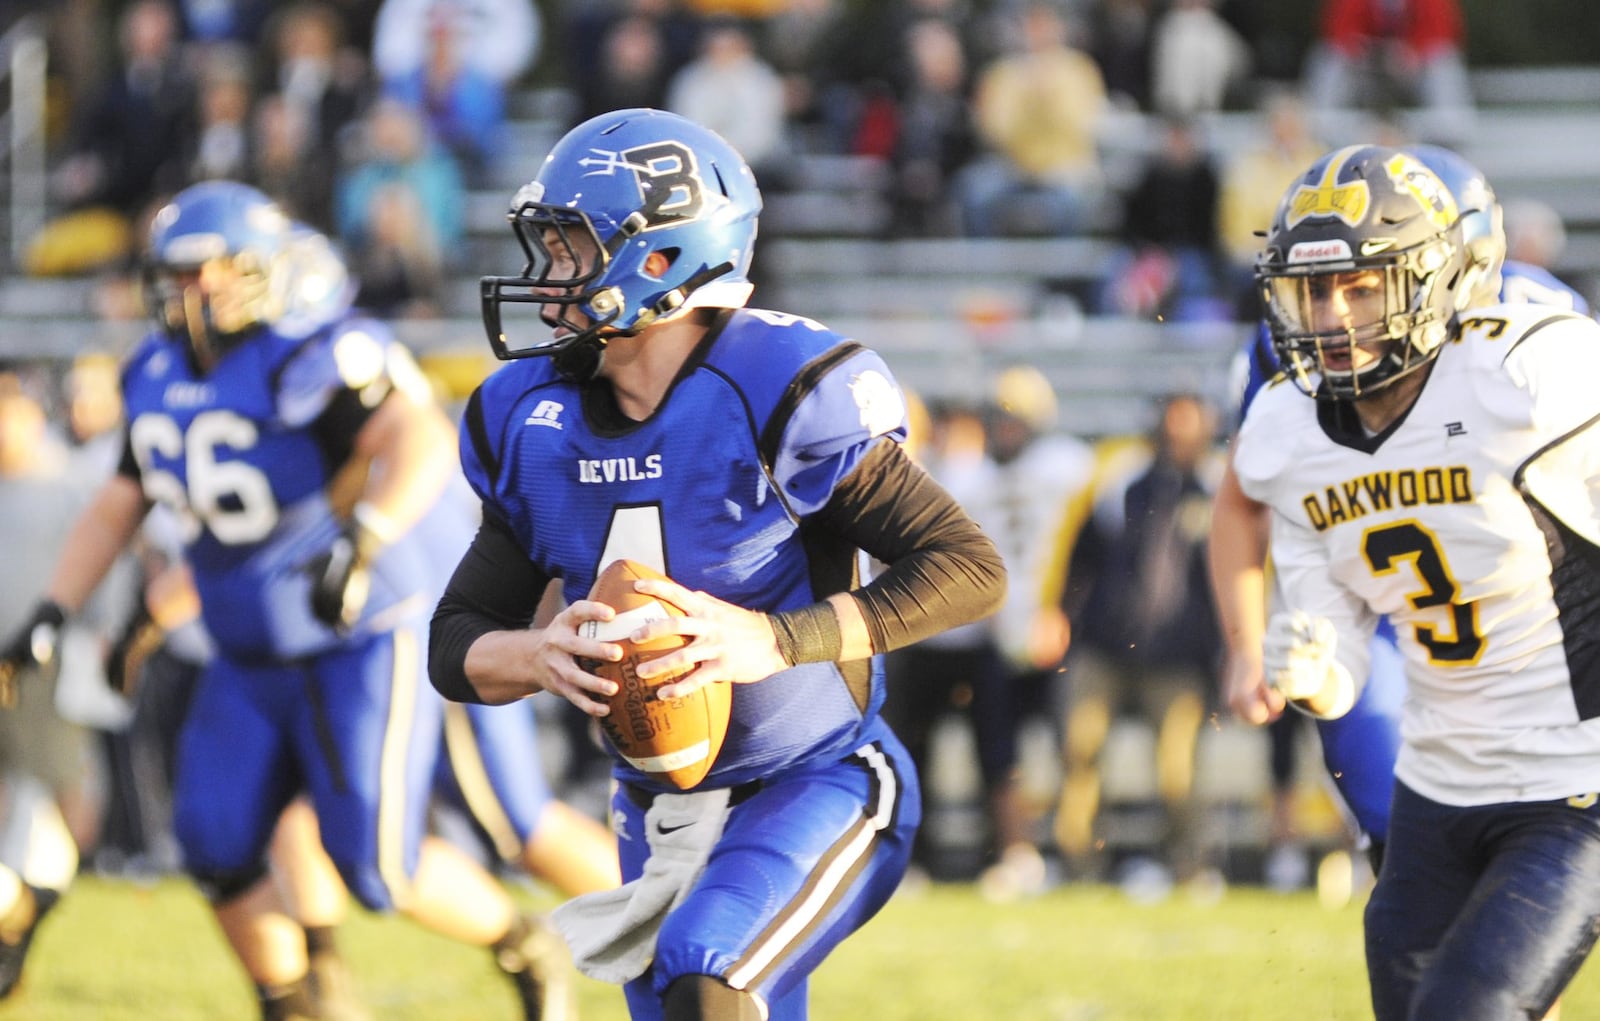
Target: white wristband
<point>376,522</point>
<point>1338,693</point>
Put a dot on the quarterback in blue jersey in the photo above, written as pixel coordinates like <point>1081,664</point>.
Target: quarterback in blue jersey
<point>753,457</point>
<point>1359,748</point>
<point>305,460</point>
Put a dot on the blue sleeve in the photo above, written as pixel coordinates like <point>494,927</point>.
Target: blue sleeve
<point>1261,364</point>
<point>353,356</point>
<point>477,452</point>
<point>852,405</point>
<point>1525,283</point>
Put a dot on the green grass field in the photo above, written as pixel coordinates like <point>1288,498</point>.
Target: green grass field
<point>115,951</point>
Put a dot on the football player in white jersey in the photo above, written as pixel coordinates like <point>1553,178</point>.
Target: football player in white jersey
<point>1441,477</point>
<point>1359,748</point>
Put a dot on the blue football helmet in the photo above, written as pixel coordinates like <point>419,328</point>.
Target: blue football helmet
<point>1483,227</point>
<point>615,191</point>
<point>217,266</point>
<point>1378,212</point>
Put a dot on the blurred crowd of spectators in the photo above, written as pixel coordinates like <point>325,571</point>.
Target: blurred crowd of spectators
<point>375,120</point>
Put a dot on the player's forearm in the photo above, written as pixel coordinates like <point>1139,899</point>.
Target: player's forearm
<point>475,650</point>
<point>98,537</point>
<point>499,667</point>
<point>1236,554</point>
<point>943,571</point>
<point>832,631</point>
<point>412,451</point>
<point>471,659</point>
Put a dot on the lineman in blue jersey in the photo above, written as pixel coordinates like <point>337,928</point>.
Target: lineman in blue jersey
<point>1444,476</point>
<point>1358,748</point>
<point>256,436</point>
<point>752,456</point>
<point>489,765</point>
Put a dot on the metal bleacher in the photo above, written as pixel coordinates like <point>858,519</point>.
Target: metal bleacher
<point>948,312</point>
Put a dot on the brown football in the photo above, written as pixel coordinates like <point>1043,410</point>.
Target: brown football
<point>676,739</point>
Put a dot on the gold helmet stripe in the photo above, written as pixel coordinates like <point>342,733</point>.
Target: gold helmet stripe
<point>1349,202</point>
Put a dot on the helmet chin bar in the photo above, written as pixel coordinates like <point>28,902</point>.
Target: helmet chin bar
<point>1303,357</point>
<point>496,291</point>
<point>579,354</point>
<point>1411,331</point>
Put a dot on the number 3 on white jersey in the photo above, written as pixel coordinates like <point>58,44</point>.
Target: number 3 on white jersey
<point>1461,641</point>
<point>232,499</point>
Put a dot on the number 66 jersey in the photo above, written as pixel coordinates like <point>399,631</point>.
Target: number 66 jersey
<point>1473,523</point>
<point>244,455</point>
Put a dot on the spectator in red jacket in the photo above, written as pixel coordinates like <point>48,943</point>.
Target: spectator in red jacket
<point>1389,53</point>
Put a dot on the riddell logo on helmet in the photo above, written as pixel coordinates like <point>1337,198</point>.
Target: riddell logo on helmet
<point>1320,251</point>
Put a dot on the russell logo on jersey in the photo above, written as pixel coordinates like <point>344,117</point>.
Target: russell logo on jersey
<point>545,413</point>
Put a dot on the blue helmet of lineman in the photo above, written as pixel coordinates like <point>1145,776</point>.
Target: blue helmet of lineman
<point>1482,221</point>
<point>615,192</point>
<point>217,265</point>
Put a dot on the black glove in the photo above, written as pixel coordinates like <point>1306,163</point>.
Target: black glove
<point>339,577</point>
<point>137,643</point>
<point>34,646</point>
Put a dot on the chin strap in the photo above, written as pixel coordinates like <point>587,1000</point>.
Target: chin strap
<point>676,298</point>
<point>581,361</point>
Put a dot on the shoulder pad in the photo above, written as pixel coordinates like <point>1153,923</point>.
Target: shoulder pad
<point>1268,437</point>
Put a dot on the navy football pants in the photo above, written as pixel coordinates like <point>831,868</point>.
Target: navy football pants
<point>1482,912</point>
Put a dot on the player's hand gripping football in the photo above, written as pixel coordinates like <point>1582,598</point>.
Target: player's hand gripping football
<point>726,642</point>
<point>1298,656</point>
<point>560,656</point>
<point>340,581</point>
<point>33,646</point>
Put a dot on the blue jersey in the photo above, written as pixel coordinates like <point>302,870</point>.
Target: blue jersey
<point>237,454</point>
<point>714,488</point>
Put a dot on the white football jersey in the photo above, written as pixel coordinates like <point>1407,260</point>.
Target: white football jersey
<point>1022,505</point>
<point>1473,523</point>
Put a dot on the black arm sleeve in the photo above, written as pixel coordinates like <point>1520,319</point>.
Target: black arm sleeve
<point>494,588</point>
<point>126,465</point>
<point>942,571</point>
<point>336,428</point>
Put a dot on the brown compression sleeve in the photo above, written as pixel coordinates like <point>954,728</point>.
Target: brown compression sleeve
<point>942,569</point>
